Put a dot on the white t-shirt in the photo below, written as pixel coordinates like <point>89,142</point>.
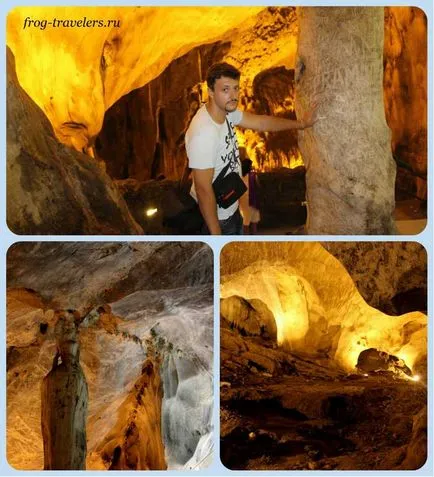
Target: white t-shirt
<point>211,145</point>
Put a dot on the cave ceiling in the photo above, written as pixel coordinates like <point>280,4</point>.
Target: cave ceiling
<point>76,74</point>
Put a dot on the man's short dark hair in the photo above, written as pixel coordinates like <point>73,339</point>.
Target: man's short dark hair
<point>218,70</point>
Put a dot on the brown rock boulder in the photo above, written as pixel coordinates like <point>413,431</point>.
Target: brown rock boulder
<point>51,188</point>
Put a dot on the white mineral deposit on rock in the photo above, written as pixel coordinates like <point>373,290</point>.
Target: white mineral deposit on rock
<point>145,332</point>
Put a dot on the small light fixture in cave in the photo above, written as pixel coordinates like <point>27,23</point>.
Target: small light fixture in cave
<point>151,212</point>
<point>372,361</point>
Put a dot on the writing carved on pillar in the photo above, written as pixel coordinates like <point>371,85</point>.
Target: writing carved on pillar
<point>64,399</point>
<point>350,171</point>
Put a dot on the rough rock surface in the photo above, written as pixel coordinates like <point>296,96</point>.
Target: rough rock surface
<point>53,189</point>
<point>89,69</point>
<point>167,103</point>
<point>394,269</point>
<point>64,401</point>
<point>304,414</point>
<point>315,304</point>
<point>143,133</point>
<point>250,317</point>
<point>134,442</point>
<point>297,401</point>
<point>405,89</point>
<point>350,178</point>
<point>146,336</point>
<point>56,270</point>
<point>133,108</point>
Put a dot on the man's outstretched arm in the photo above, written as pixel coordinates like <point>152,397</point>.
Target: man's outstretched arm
<point>205,195</point>
<point>273,123</point>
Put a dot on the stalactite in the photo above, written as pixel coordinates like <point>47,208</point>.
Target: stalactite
<point>64,399</point>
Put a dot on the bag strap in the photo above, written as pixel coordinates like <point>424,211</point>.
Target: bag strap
<point>225,169</point>
<point>222,173</point>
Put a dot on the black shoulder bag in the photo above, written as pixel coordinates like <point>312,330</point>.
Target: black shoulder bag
<point>228,188</point>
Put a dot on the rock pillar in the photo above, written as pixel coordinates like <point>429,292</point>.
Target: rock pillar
<point>64,398</point>
<point>350,171</point>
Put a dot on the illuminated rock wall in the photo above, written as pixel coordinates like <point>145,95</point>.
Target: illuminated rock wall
<point>142,82</point>
<point>75,74</point>
<point>135,441</point>
<point>51,188</point>
<point>143,133</point>
<point>141,307</point>
<point>405,88</point>
<point>316,305</point>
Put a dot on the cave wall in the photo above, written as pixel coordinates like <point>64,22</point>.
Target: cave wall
<point>392,267</point>
<point>380,270</point>
<point>148,101</point>
<point>87,69</point>
<point>137,306</point>
<point>405,90</point>
<point>316,305</point>
<point>167,103</point>
<point>143,133</point>
<point>51,188</point>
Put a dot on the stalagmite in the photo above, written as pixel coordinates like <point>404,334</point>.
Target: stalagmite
<point>350,171</point>
<point>64,398</point>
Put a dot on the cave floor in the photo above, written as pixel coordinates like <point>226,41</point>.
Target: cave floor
<point>280,411</point>
<point>409,215</point>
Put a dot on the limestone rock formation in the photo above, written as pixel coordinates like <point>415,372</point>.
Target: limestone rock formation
<point>53,189</point>
<point>148,266</point>
<point>131,443</point>
<point>143,132</point>
<point>64,401</point>
<point>315,304</point>
<point>126,95</point>
<point>395,269</point>
<point>405,86</point>
<point>280,411</point>
<point>417,450</point>
<point>110,60</point>
<point>350,177</point>
<point>145,329</point>
<point>250,317</point>
<point>318,396</point>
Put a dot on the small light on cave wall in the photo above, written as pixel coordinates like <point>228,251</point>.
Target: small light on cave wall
<point>151,212</point>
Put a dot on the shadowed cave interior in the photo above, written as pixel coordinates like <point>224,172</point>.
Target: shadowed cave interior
<point>109,356</point>
<point>323,356</point>
<point>124,126</point>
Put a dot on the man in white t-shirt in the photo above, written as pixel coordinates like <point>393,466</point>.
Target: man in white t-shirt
<point>211,144</point>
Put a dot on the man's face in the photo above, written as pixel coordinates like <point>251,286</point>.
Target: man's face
<point>225,93</point>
